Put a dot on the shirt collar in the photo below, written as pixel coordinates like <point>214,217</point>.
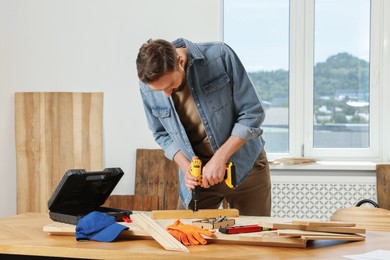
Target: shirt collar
<point>193,51</point>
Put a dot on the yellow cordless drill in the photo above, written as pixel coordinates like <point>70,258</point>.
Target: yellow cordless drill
<point>196,171</point>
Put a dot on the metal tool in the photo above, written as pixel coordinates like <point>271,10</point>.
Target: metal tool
<point>214,223</point>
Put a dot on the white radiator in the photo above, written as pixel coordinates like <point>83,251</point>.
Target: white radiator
<point>296,197</point>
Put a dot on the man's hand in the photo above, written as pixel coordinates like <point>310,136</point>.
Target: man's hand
<point>185,165</point>
<point>188,234</point>
<point>213,172</point>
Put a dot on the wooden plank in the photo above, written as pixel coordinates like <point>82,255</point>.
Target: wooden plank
<point>347,238</point>
<point>336,229</point>
<point>267,238</point>
<point>282,225</point>
<point>64,229</point>
<point>288,232</point>
<point>313,223</point>
<point>383,185</point>
<point>302,224</point>
<point>156,175</point>
<point>364,217</point>
<point>290,161</point>
<point>324,226</point>
<point>162,236</point>
<point>203,213</point>
<point>54,132</point>
<point>344,230</point>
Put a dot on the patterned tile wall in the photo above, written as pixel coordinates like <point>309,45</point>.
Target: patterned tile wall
<point>317,200</point>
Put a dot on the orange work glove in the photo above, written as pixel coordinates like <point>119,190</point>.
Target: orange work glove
<point>180,236</point>
<point>188,234</point>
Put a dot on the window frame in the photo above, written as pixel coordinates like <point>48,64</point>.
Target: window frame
<point>301,66</point>
<point>370,153</point>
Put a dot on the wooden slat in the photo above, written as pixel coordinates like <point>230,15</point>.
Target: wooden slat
<point>162,236</point>
<point>54,132</point>
<point>344,230</point>
<point>63,229</point>
<point>312,223</point>
<point>368,218</point>
<point>323,226</point>
<point>347,238</point>
<point>290,161</point>
<point>268,238</point>
<point>301,233</point>
<point>280,225</point>
<point>156,175</point>
<point>203,213</point>
<point>383,185</point>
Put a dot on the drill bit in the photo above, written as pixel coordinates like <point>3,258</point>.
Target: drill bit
<point>195,197</point>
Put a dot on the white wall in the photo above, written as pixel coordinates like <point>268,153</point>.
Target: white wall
<point>89,45</point>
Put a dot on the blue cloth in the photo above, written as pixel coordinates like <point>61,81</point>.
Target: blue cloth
<point>226,101</point>
<point>98,226</point>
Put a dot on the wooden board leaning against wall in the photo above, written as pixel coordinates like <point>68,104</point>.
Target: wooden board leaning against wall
<point>54,132</point>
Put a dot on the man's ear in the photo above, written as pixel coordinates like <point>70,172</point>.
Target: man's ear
<point>180,61</point>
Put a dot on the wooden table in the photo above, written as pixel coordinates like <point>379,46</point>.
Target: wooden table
<point>23,235</point>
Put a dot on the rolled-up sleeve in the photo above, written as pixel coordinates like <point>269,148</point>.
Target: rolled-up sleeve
<point>247,104</point>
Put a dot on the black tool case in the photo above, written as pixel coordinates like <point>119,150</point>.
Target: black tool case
<point>80,192</point>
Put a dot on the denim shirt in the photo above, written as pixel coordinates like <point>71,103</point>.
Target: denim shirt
<point>226,101</point>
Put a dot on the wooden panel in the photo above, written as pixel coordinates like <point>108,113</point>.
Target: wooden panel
<point>54,132</point>
<point>320,223</point>
<point>368,218</point>
<point>156,175</point>
<point>383,185</point>
<point>162,236</point>
<point>203,213</point>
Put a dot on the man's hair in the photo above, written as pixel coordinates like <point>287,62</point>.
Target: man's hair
<point>155,57</point>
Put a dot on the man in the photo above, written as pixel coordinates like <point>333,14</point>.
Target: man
<point>199,101</point>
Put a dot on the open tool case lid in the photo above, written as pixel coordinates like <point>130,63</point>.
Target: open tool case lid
<point>80,192</point>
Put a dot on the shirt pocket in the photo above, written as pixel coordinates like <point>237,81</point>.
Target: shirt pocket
<point>161,112</point>
<point>218,91</point>
<point>165,116</point>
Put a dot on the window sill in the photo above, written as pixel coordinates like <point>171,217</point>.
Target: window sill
<point>328,165</point>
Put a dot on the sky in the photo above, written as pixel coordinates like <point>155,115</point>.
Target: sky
<point>258,30</point>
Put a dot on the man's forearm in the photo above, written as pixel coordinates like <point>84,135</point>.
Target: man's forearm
<point>181,160</point>
<point>232,145</point>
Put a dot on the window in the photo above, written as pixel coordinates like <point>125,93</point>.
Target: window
<point>263,48</point>
<point>312,63</point>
